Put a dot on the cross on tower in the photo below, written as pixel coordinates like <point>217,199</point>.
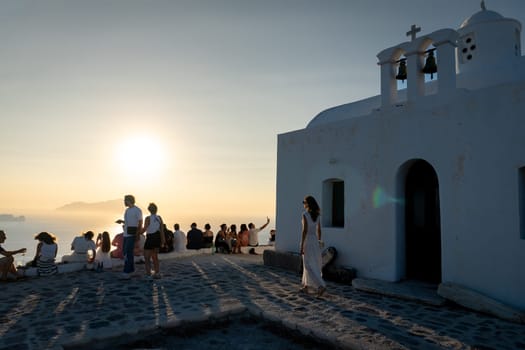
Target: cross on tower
<point>412,32</point>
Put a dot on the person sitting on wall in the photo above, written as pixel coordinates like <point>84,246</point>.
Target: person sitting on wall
<point>80,247</point>
<point>46,252</point>
<point>194,237</point>
<point>169,236</point>
<point>271,241</point>
<point>253,235</point>
<point>207,237</point>
<point>179,239</point>
<point>118,242</point>
<point>7,262</point>
<point>221,245</point>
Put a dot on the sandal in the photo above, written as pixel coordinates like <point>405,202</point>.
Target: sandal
<point>303,290</point>
<point>321,291</point>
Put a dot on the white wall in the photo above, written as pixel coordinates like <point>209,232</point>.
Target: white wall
<point>474,141</point>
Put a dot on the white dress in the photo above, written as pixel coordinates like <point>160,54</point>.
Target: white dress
<point>312,262</point>
<point>104,258</point>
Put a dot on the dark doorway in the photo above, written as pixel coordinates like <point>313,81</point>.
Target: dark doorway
<point>422,224</point>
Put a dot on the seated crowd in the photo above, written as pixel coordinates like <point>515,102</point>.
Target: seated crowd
<point>99,255</point>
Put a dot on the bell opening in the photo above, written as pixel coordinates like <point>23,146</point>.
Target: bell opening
<point>430,63</point>
<point>402,70</point>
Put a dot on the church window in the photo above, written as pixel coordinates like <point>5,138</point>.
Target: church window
<point>333,206</point>
<point>467,44</point>
<point>521,195</point>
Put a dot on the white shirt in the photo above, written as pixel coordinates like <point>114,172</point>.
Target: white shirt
<point>82,245</point>
<point>48,251</point>
<point>179,241</point>
<point>132,217</point>
<point>154,224</point>
<point>253,238</point>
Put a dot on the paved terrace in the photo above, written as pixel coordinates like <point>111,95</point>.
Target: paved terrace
<point>84,306</point>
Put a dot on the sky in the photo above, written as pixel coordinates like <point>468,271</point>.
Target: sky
<point>180,102</point>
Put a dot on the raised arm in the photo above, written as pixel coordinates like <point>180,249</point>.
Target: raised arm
<point>267,222</point>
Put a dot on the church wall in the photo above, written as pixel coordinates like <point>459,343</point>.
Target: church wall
<point>474,145</point>
<point>480,219</point>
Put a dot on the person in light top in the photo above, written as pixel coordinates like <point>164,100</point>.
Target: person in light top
<point>80,246</point>
<point>179,239</point>
<point>46,252</point>
<point>132,231</point>
<point>253,234</point>
<point>154,228</point>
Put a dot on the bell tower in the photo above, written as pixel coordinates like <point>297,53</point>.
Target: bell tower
<point>489,48</point>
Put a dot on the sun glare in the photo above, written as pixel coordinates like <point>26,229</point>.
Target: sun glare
<point>139,156</point>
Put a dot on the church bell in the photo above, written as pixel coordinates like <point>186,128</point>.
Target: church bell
<point>402,70</point>
<point>430,64</point>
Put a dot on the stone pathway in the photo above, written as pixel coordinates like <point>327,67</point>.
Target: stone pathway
<point>81,307</point>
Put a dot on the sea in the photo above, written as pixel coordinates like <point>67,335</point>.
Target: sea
<point>66,226</point>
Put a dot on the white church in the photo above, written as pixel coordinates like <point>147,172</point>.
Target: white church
<point>425,183</point>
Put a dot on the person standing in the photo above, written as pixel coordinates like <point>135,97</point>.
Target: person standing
<point>310,250</point>
<point>154,228</point>
<point>132,230</point>
<point>253,234</point>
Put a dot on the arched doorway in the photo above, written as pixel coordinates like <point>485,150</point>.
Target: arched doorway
<point>422,223</point>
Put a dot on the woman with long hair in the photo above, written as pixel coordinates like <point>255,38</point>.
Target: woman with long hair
<point>310,250</point>
<point>46,252</point>
<point>103,257</point>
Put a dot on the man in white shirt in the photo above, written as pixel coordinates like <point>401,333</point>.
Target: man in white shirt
<point>132,229</point>
<point>253,234</point>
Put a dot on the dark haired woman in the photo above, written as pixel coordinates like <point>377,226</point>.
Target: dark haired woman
<point>103,257</point>
<point>46,252</point>
<point>310,250</point>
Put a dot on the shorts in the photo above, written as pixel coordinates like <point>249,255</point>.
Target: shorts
<point>152,240</point>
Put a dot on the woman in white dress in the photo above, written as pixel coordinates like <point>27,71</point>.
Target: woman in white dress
<point>310,250</point>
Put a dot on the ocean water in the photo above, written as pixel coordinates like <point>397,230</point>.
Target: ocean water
<point>20,234</point>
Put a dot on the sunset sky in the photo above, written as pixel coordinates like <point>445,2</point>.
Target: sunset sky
<point>180,102</point>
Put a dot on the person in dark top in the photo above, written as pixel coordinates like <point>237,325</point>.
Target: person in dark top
<point>168,247</point>
<point>194,237</point>
<point>207,237</point>
<point>221,244</point>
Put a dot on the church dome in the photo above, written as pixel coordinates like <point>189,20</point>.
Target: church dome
<point>481,16</point>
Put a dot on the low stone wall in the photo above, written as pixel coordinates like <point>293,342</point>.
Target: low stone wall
<point>285,260</point>
<point>293,262</point>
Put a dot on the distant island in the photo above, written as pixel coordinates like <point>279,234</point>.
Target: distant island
<point>114,205</point>
<point>9,217</point>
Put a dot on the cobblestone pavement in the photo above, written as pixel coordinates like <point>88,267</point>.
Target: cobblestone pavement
<point>81,307</point>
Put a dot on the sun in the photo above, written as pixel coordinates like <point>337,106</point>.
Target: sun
<point>140,156</point>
